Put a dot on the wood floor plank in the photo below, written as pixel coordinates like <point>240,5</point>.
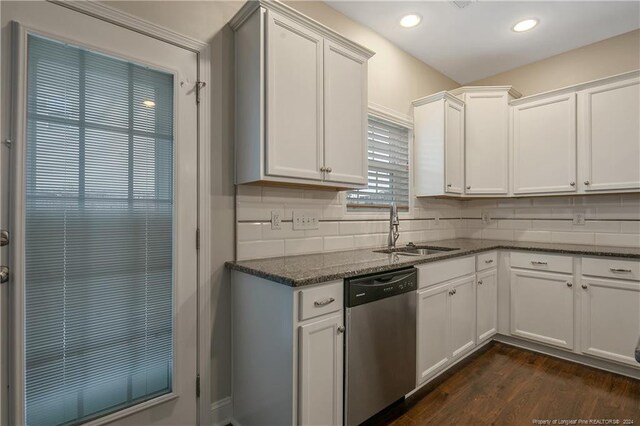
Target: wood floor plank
<point>505,385</point>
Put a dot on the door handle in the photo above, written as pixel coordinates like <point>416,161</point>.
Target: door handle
<point>324,302</point>
<point>620,270</point>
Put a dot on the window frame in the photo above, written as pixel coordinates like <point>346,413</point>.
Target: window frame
<point>385,114</point>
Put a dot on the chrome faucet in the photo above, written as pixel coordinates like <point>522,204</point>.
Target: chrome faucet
<point>394,222</point>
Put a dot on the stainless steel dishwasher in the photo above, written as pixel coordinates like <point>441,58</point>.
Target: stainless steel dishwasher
<point>380,350</point>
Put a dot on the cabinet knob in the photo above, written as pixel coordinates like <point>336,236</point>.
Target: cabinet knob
<point>572,183</point>
<point>328,169</point>
<point>448,185</point>
<point>468,186</point>
<point>584,286</point>
<point>340,329</point>
<point>569,284</point>
<point>586,182</point>
<point>323,169</point>
<point>480,282</point>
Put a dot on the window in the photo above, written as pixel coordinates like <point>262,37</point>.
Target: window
<point>388,180</point>
<point>99,234</point>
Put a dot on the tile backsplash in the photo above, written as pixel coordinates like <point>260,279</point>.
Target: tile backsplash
<point>608,220</point>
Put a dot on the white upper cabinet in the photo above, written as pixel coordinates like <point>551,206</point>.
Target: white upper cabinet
<point>486,138</point>
<point>609,136</point>
<point>301,100</point>
<point>345,100</point>
<point>544,145</point>
<point>438,158</point>
<point>294,99</point>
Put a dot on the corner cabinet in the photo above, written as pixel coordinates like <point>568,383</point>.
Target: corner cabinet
<point>301,100</point>
<point>438,145</point>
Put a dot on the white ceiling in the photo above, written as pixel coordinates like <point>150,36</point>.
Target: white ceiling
<point>477,41</point>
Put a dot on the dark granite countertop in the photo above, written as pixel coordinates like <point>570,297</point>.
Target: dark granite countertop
<point>301,270</point>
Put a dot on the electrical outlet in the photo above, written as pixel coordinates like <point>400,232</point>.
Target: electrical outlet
<point>305,219</point>
<point>276,217</point>
<point>578,218</point>
<point>486,218</point>
<point>436,219</point>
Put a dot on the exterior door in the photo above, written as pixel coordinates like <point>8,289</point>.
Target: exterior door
<point>104,202</point>
<point>294,99</point>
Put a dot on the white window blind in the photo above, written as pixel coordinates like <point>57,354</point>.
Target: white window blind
<point>99,226</point>
<point>388,177</point>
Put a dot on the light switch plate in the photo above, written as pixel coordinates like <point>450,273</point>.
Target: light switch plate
<point>305,219</point>
<point>276,217</point>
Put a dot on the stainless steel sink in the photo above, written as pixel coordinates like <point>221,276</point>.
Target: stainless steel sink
<point>411,250</point>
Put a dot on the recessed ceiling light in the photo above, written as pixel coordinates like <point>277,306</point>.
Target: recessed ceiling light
<point>410,20</point>
<point>149,104</point>
<point>525,25</point>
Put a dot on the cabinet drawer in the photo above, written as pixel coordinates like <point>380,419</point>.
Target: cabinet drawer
<point>437,272</point>
<point>486,261</point>
<point>320,300</point>
<point>611,268</point>
<point>542,262</point>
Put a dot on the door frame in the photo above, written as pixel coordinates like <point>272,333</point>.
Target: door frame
<point>204,272</point>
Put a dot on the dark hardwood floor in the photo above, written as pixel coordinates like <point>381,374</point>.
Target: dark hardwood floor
<point>504,385</point>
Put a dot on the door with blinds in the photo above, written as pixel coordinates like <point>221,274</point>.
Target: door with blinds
<point>104,215</point>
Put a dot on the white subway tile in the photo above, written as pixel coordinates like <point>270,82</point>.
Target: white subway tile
<point>303,245</point>
<point>535,236</point>
<point>597,200</point>
<point>260,249</point>
<point>373,240</point>
<point>630,199</point>
<point>338,243</point>
<point>249,231</point>
<point>285,231</point>
<point>552,201</point>
<point>617,212</point>
<point>533,213</point>
<point>501,213</point>
<point>497,234</point>
<point>249,193</point>
<point>597,226</point>
<point>363,227</point>
<point>282,195</point>
<point>622,240</point>
<point>564,225</point>
<point>322,197</point>
<point>573,237</point>
<point>324,228</point>
<point>514,224</point>
<point>629,227</point>
<point>413,236</point>
<point>257,211</point>
<point>334,212</point>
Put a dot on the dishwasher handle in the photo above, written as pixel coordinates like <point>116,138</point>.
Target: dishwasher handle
<point>389,281</point>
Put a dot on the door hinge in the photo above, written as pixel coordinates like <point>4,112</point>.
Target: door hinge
<point>197,386</point>
<point>199,86</point>
<point>198,239</point>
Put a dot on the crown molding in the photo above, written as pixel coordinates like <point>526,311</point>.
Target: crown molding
<point>444,95</point>
<point>290,13</point>
<point>467,89</point>
<point>390,115</point>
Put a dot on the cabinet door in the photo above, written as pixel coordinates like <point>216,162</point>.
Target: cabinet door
<point>294,132</point>
<point>345,115</point>
<point>544,145</point>
<point>486,141</point>
<point>320,372</point>
<point>454,147</point>
<point>542,307</point>
<point>463,316</point>
<point>487,304</point>
<point>610,319</point>
<point>609,126</point>
<point>433,331</point>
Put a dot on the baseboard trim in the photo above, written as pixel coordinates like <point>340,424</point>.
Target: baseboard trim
<point>222,412</point>
<point>569,356</point>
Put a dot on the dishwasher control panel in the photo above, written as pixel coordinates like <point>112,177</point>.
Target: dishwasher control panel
<point>366,289</point>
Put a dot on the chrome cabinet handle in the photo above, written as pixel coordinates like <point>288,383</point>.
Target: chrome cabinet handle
<point>538,262</point>
<point>329,170</point>
<point>620,270</point>
<point>488,261</point>
<point>452,292</point>
<point>480,282</point>
<point>4,274</point>
<point>572,183</point>
<point>569,284</point>
<point>340,329</point>
<point>584,286</point>
<point>586,182</point>
<point>324,302</point>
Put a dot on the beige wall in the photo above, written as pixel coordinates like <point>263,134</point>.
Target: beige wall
<point>608,57</point>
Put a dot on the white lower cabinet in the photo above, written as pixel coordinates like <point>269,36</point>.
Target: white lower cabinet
<point>320,366</point>
<point>610,318</point>
<point>486,305</point>
<point>542,307</point>
<point>446,324</point>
